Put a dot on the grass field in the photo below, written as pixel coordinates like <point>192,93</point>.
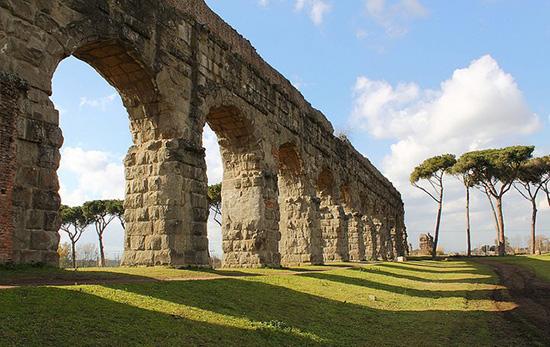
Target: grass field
<point>416,303</point>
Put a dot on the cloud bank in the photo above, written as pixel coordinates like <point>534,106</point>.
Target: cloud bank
<point>479,106</point>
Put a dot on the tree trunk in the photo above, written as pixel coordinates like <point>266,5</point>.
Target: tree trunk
<point>497,226</point>
<point>73,253</point>
<point>101,252</point>
<point>533,227</point>
<point>501,237</point>
<point>468,221</point>
<point>437,223</point>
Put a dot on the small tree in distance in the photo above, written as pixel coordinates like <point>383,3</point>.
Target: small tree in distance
<point>215,201</point>
<point>101,213</point>
<point>73,222</point>
<point>432,170</point>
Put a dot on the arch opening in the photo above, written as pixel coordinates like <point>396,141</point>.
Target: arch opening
<point>333,218</point>
<point>355,226</point>
<point>248,194</point>
<point>134,83</point>
<point>95,162</point>
<point>297,240</point>
<point>96,138</point>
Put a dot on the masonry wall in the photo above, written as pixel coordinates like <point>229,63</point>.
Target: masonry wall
<point>178,66</point>
<point>11,90</point>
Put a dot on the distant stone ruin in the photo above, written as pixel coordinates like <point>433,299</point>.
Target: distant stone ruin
<point>293,193</point>
<point>426,244</point>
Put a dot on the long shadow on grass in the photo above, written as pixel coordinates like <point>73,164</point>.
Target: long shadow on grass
<point>47,316</point>
<point>432,270</point>
<point>54,316</point>
<point>338,323</point>
<point>421,293</point>
<point>28,275</point>
<point>437,264</point>
<point>487,279</point>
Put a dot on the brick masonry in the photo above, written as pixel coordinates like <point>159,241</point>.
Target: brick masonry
<point>11,91</point>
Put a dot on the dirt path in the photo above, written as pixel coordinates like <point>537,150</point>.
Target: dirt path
<point>530,294</point>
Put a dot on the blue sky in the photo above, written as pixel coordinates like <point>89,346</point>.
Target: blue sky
<point>404,79</point>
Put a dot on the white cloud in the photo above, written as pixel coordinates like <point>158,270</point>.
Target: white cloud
<point>361,34</point>
<point>480,106</point>
<point>395,16</point>
<point>263,3</point>
<point>214,165</point>
<point>99,103</point>
<point>97,175</point>
<point>317,9</point>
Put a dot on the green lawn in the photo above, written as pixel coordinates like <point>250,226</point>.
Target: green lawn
<point>539,264</point>
<point>416,303</point>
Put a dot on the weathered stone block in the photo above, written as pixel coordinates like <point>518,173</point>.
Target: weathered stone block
<point>43,240</point>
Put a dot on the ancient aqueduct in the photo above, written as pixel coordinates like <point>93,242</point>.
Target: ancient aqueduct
<point>292,191</point>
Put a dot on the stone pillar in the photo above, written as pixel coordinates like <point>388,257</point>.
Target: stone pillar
<point>370,238</point>
<point>356,243</point>
<point>333,219</point>
<point>250,220</point>
<point>299,225</point>
<point>385,246</point>
<point>35,199</point>
<point>166,206</point>
<point>380,237</point>
<point>334,224</point>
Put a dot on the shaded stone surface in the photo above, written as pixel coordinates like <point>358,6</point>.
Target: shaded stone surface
<point>426,244</point>
<point>293,193</point>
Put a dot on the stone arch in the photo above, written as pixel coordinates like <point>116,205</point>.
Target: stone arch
<point>36,45</point>
<point>355,226</point>
<point>325,183</point>
<point>333,219</point>
<point>119,66</point>
<point>289,160</point>
<point>250,214</point>
<point>300,238</point>
<point>39,140</point>
<point>345,195</point>
<point>370,230</point>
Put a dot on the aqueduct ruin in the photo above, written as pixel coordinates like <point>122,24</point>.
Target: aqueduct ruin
<point>292,191</point>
